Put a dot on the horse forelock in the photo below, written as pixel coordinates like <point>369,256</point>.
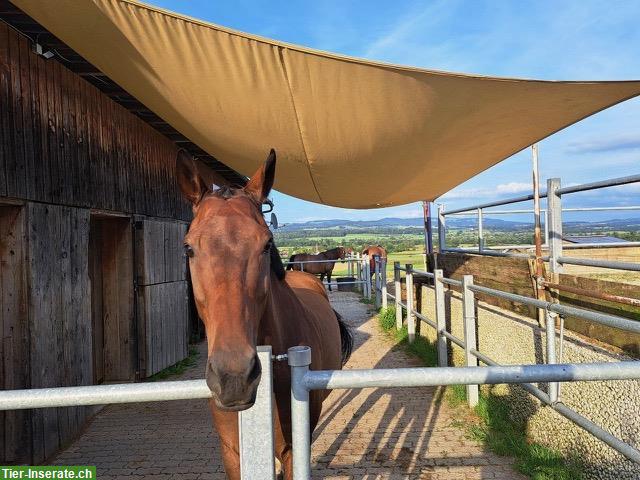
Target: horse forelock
<point>228,192</point>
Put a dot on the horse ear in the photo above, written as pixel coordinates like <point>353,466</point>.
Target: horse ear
<point>261,182</point>
<point>191,183</point>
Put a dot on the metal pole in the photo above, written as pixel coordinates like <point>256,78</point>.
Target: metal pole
<point>554,219</point>
<point>367,276</point>
<point>442,229</point>
<point>469,319</point>
<point>550,326</point>
<point>537,235</point>
<point>398,294</point>
<point>376,276</point>
<point>480,231</point>
<point>428,231</point>
<point>440,318</point>
<point>255,426</point>
<point>299,359</point>
<point>411,318</point>
<point>383,281</point>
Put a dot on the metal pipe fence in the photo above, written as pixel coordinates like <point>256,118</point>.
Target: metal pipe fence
<point>556,372</point>
<point>255,424</point>
<point>357,267</point>
<point>553,226</point>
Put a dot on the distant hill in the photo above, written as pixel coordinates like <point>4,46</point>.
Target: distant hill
<point>460,223</point>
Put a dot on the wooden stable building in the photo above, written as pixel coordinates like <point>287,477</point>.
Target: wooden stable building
<point>93,280</point>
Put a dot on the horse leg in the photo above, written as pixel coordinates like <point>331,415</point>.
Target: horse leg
<point>329,279</point>
<point>226,424</point>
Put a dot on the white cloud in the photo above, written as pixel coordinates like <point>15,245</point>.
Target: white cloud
<point>510,188</point>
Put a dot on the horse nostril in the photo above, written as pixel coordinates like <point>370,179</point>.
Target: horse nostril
<point>255,371</point>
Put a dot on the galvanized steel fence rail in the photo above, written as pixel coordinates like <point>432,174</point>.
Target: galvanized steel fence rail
<point>358,266</point>
<point>256,438</point>
<point>553,311</point>
<point>553,225</point>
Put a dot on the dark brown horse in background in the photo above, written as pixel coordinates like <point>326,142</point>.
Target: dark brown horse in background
<point>372,251</point>
<point>245,300</point>
<point>318,267</point>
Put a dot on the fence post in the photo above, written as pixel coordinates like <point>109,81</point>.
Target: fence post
<point>411,318</point>
<point>367,276</point>
<point>299,359</point>
<point>358,267</point>
<point>469,319</point>
<point>480,232</point>
<point>383,281</point>
<point>442,229</point>
<point>376,283</point>
<point>255,427</point>
<point>550,325</point>
<point>554,220</point>
<point>440,318</point>
<point>398,294</point>
<point>349,266</point>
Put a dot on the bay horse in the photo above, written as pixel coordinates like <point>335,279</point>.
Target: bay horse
<point>317,268</point>
<point>245,298</point>
<point>373,250</point>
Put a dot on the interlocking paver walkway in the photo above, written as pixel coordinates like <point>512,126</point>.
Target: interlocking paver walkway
<point>401,433</point>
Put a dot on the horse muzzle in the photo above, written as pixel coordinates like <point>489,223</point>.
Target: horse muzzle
<point>233,382</point>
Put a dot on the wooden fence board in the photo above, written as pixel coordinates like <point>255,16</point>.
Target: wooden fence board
<point>508,274</point>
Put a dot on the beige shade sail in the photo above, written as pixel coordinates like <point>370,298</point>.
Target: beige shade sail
<point>348,132</point>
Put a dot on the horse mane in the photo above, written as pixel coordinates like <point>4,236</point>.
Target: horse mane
<point>277,266</point>
<point>226,192</point>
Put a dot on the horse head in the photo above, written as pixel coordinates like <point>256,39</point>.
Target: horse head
<point>231,256</point>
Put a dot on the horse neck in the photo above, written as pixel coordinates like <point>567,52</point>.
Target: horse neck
<point>283,322</point>
<point>332,254</point>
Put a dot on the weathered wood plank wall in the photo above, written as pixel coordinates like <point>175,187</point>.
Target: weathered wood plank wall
<point>64,142</point>
<point>14,331</point>
<point>69,153</point>
<point>508,274</point>
<point>59,317</point>
<point>163,310</point>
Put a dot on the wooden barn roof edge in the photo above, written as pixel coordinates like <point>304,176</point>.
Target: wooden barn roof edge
<point>20,21</point>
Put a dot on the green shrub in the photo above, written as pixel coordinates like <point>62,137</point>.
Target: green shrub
<point>177,368</point>
<point>387,318</point>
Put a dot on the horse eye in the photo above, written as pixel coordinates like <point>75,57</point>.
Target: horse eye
<point>267,247</point>
<point>188,251</point>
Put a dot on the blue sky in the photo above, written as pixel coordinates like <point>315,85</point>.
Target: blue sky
<point>554,40</point>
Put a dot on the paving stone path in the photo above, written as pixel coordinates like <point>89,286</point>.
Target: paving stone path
<point>402,433</point>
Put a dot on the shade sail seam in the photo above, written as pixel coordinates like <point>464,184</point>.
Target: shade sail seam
<point>297,117</point>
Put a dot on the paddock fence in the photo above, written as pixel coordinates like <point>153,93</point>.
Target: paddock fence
<point>358,271</point>
<point>256,434</point>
